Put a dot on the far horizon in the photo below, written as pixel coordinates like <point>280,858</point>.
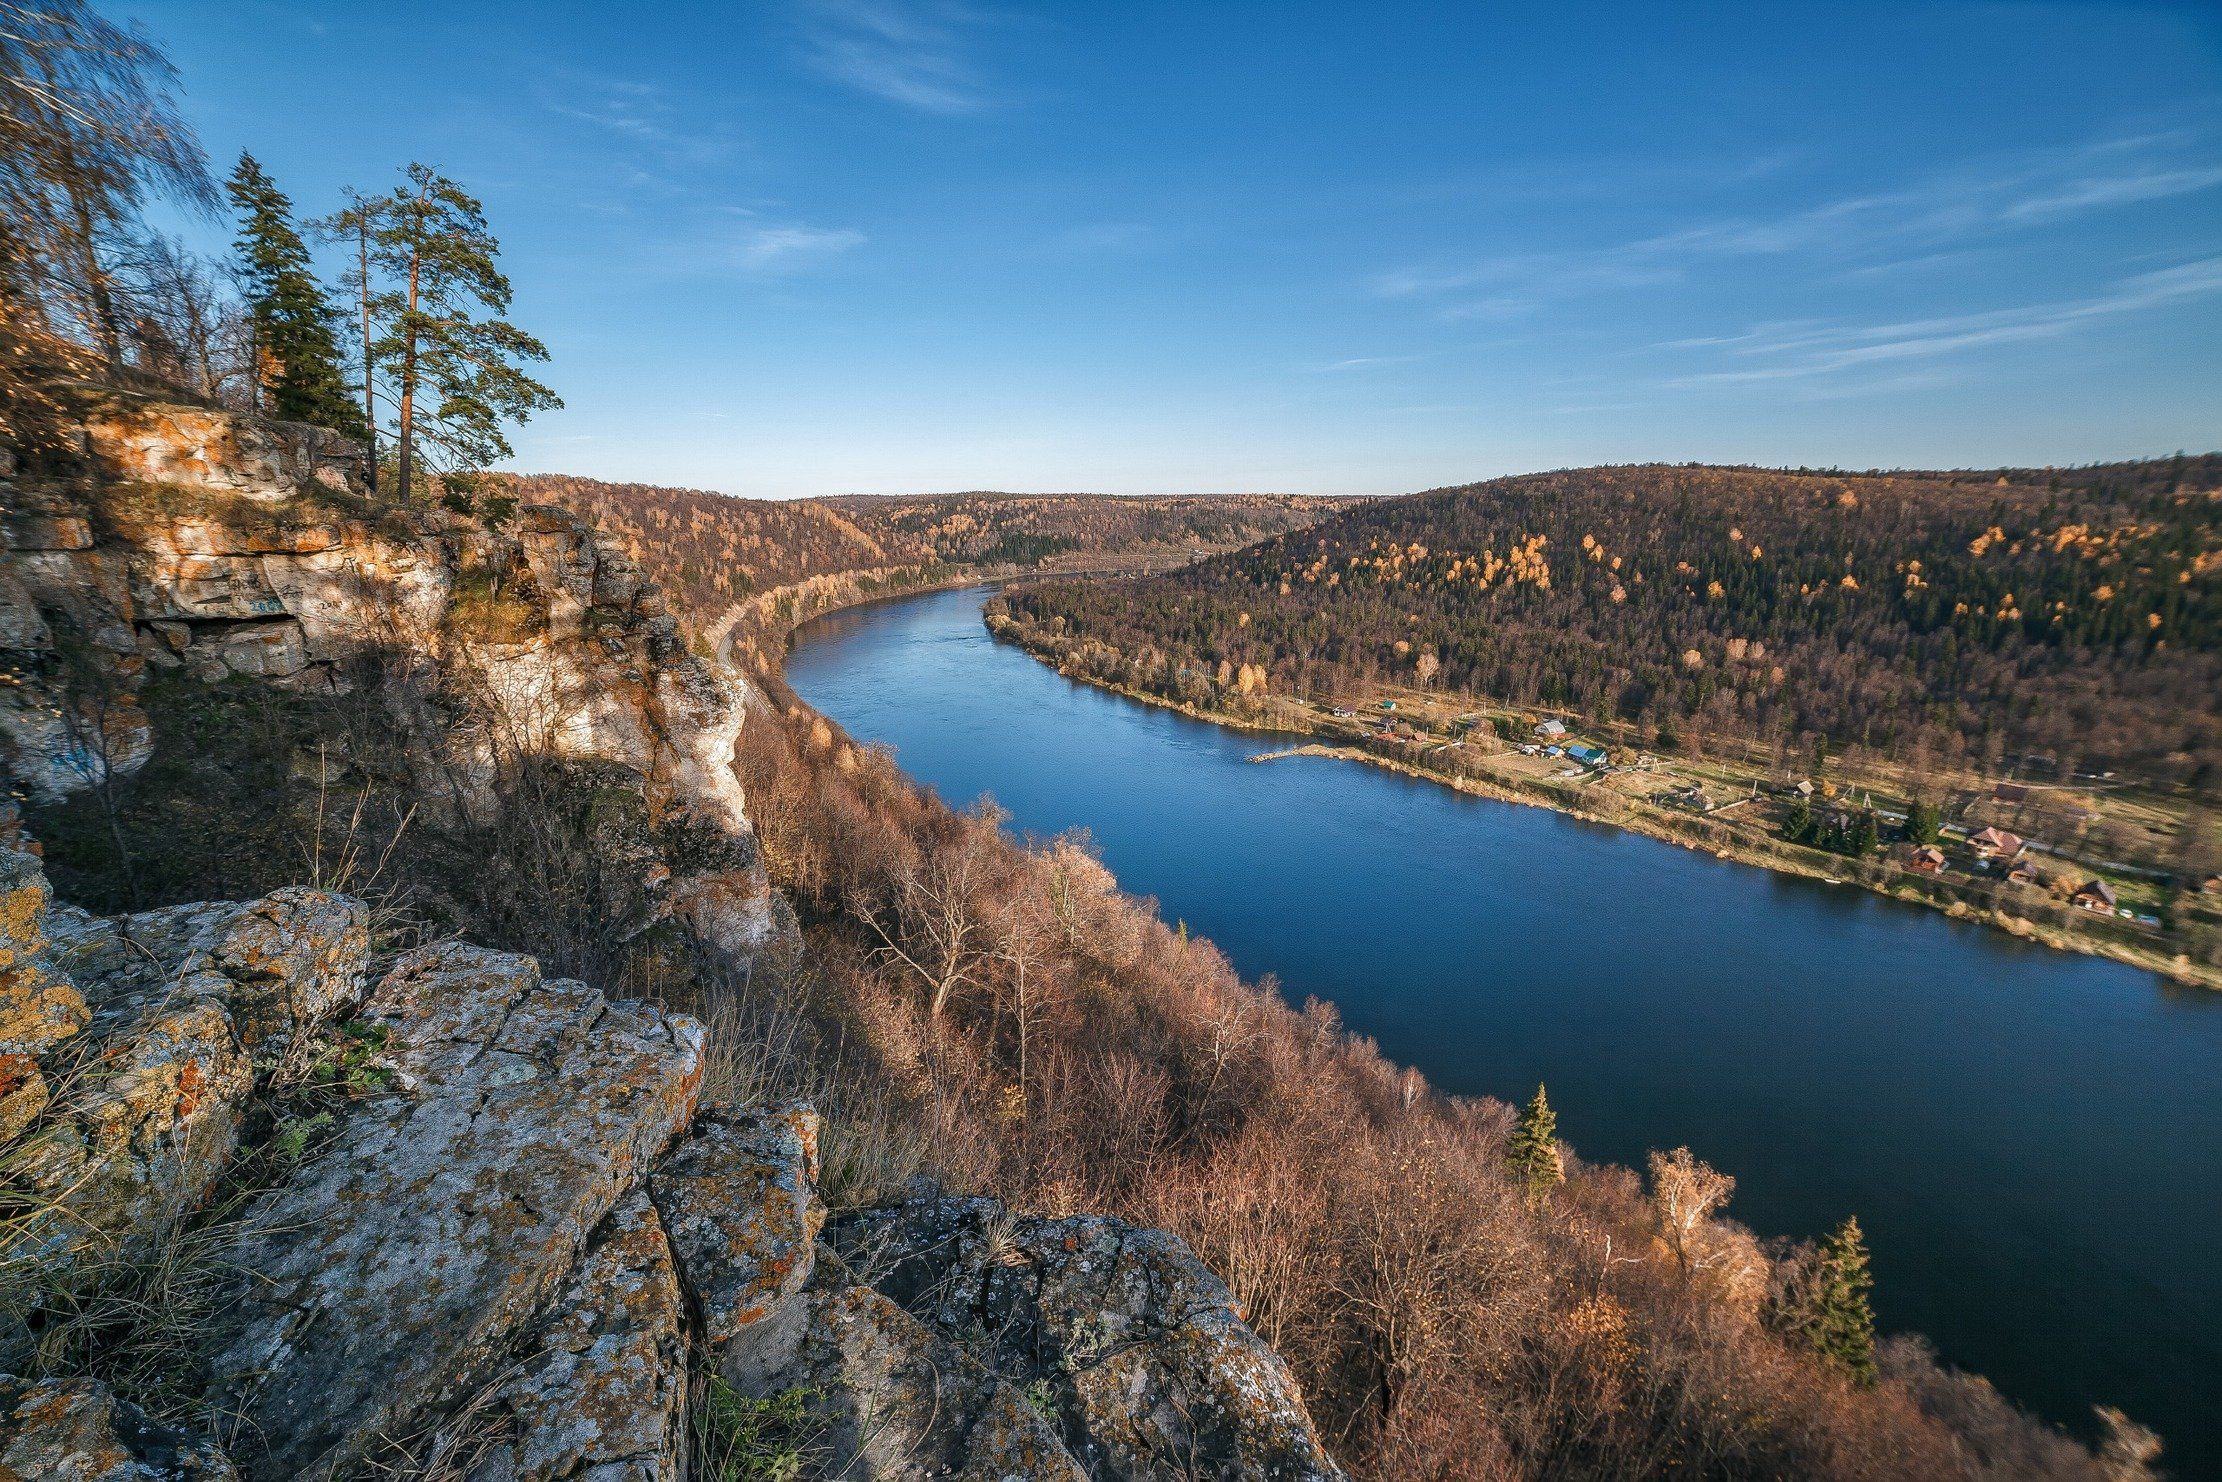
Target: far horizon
<point>1142,494</point>
<point>836,246</point>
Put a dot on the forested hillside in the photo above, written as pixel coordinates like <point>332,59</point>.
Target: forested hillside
<point>2064,615</point>
<point>712,550</point>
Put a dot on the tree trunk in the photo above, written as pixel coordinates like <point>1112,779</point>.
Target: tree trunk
<point>96,283</point>
<point>370,390</point>
<point>407,444</point>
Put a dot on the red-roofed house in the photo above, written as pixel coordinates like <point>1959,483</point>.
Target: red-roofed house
<point>1996,843</point>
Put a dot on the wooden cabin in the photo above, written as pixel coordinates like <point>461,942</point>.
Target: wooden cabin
<point>2096,895</point>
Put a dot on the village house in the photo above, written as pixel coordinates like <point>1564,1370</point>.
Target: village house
<point>2022,872</point>
<point>1927,860</point>
<point>1551,728</point>
<point>1996,843</point>
<point>2096,895</point>
<point>1588,756</point>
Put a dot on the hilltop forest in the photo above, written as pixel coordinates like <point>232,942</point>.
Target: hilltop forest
<point>712,550</point>
<point>2063,618</point>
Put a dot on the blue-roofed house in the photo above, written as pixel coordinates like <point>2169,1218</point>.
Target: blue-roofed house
<point>1588,756</point>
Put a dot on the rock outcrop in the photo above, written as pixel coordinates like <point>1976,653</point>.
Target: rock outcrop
<point>1135,1346</point>
<point>225,546</point>
<point>393,1272</point>
<point>603,1396</point>
<point>139,1111</point>
<point>460,1219</point>
<point>77,1429</point>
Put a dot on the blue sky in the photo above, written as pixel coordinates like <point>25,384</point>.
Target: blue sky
<point>825,246</point>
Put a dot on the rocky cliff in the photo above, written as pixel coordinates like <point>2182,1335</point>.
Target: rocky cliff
<point>283,1195</point>
<point>226,546</point>
<point>440,1215</point>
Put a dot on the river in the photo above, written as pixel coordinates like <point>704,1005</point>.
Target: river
<point>2032,1139</point>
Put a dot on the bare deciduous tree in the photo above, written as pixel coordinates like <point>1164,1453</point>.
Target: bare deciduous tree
<point>183,324</point>
<point>88,130</point>
<point>930,919</point>
<point>1685,1193</point>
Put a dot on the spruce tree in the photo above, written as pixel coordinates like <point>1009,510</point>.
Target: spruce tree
<point>1837,1318</point>
<point>297,360</point>
<point>1532,1155</point>
<point>1922,822</point>
<point>456,366</point>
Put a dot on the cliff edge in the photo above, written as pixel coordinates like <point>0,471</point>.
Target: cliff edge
<point>229,547</point>
<point>440,1215</point>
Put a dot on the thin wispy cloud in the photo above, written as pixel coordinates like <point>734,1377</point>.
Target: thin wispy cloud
<point>910,52</point>
<point>1794,353</point>
<point>1353,363</point>
<point>639,116</point>
<point>1612,178</point>
<point>1922,217</point>
<point>2115,190</point>
<point>776,250</point>
<point>635,115</point>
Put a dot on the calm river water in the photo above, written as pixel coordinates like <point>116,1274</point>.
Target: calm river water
<point>2033,1140</point>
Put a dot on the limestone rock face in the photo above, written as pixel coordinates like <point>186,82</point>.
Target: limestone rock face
<point>205,449</point>
<point>124,1156</point>
<point>517,1248</point>
<point>75,1430</point>
<point>740,1200</point>
<point>899,1401</point>
<point>290,961</point>
<point>226,546</point>
<point>119,1143</point>
<point>1153,1371</point>
<point>389,1276</point>
<point>603,1396</point>
<point>38,1008</point>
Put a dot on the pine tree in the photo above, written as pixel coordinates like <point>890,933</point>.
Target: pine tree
<point>351,228</point>
<point>297,360</point>
<point>1922,822</point>
<point>456,366</point>
<point>1834,1313</point>
<point>1532,1155</point>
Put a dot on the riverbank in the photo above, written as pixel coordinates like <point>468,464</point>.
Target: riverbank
<point>752,635</point>
<point>1835,1054</point>
<point>1579,795</point>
